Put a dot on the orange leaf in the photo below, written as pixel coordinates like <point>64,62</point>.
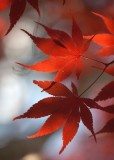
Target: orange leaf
<point>63,49</point>
<point>109,22</point>
<point>78,68</point>
<point>107,51</point>
<point>63,38</point>
<point>49,46</point>
<point>103,39</point>
<point>65,72</point>
<point>52,64</point>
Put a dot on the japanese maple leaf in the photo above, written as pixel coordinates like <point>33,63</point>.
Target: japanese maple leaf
<point>105,39</point>
<point>17,9</point>
<point>106,92</point>
<point>66,108</point>
<point>108,128</point>
<point>65,52</point>
<point>108,22</point>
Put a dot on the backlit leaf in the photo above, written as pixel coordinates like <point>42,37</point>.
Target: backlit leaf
<point>43,108</point>
<point>103,39</point>
<point>106,51</point>
<point>70,128</point>
<point>109,22</point>
<point>54,122</point>
<point>63,49</point>
<point>58,89</point>
<point>106,92</point>
<point>65,72</point>
<point>87,119</point>
<point>52,64</point>
<point>108,128</point>
<point>67,110</point>
<point>48,46</point>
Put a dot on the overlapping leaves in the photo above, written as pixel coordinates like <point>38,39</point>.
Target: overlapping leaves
<point>108,128</point>
<point>105,93</point>
<point>106,40</point>
<point>66,108</point>
<point>17,9</point>
<point>65,52</point>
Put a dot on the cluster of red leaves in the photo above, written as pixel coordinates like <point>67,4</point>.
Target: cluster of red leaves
<point>65,52</point>
<point>17,9</point>
<point>106,40</point>
<point>107,92</point>
<point>67,108</point>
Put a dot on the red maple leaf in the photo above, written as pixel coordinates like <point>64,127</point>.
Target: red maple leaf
<point>65,52</point>
<point>108,22</point>
<point>105,39</point>
<point>106,92</point>
<point>108,128</point>
<point>17,9</point>
<point>66,108</point>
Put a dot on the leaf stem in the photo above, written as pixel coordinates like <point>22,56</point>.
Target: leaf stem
<point>106,65</point>
<point>93,59</point>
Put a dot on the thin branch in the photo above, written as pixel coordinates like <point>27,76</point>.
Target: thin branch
<point>94,81</point>
<point>93,59</point>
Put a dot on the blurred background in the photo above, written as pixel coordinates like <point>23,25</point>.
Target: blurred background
<point>18,93</point>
